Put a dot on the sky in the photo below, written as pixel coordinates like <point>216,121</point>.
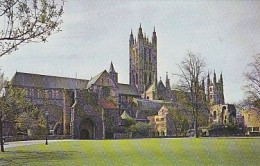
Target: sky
<point>226,34</point>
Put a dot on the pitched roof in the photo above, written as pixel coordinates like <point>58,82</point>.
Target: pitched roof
<point>127,89</point>
<point>94,79</point>
<point>151,88</point>
<point>46,81</point>
<point>107,104</point>
<point>125,115</point>
<point>144,104</point>
<point>160,85</point>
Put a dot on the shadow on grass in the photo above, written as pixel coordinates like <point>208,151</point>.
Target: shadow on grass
<point>21,157</point>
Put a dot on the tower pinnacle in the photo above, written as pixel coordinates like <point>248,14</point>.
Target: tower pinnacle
<point>113,74</point>
<point>112,69</point>
<point>214,78</point>
<point>140,33</point>
<point>167,82</point>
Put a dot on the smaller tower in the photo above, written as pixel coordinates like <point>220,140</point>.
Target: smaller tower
<point>167,82</point>
<point>221,88</point>
<point>208,85</point>
<point>214,78</point>
<point>113,74</point>
<point>221,78</point>
<point>140,33</point>
<point>131,39</point>
<point>154,39</point>
<point>203,90</point>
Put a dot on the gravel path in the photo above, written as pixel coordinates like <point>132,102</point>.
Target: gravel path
<point>25,143</point>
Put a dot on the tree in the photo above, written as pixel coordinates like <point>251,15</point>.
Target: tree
<point>26,21</point>
<point>191,71</point>
<point>252,76</point>
<point>16,109</point>
<point>141,129</point>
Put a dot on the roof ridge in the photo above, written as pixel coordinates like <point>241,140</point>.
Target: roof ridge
<point>50,76</point>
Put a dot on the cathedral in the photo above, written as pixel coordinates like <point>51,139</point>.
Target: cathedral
<point>142,60</point>
<point>215,90</point>
<point>92,109</point>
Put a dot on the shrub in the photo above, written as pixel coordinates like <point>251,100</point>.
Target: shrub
<point>140,129</point>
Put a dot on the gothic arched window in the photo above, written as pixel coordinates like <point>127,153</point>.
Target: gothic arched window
<point>136,79</point>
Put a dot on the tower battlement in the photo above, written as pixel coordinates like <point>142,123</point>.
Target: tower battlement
<point>142,60</point>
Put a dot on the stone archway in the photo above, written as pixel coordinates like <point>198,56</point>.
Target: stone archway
<point>57,129</point>
<point>84,134</point>
<point>87,129</point>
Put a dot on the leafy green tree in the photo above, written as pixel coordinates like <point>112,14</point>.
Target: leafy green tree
<point>141,129</point>
<point>17,109</point>
<point>26,21</point>
<point>181,120</point>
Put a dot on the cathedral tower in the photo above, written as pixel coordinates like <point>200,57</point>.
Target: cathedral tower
<point>142,60</point>
<point>113,74</point>
<point>215,90</point>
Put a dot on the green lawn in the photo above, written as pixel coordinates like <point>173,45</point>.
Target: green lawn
<point>186,151</point>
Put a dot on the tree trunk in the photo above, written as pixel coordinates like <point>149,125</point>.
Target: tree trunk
<point>103,123</point>
<point>196,134</point>
<point>1,133</point>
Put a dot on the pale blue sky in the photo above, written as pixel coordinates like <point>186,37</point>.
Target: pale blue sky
<point>225,33</point>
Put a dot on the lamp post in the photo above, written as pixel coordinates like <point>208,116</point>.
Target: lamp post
<point>46,115</point>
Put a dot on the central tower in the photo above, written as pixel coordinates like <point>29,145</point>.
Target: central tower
<point>142,60</point>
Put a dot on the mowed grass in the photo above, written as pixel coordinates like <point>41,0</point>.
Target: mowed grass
<point>185,151</point>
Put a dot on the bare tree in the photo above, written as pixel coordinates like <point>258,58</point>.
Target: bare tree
<point>26,21</point>
<point>252,77</point>
<point>191,72</point>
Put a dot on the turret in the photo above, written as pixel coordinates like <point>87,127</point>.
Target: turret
<point>154,38</point>
<point>140,33</point>
<point>167,82</point>
<point>208,80</point>
<point>214,78</point>
<point>208,84</point>
<point>221,79</point>
<point>113,74</point>
<point>222,88</point>
<point>131,39</point>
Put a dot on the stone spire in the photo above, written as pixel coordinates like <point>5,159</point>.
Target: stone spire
<point>221,78</point>
<point>214,78</point>
<point>208,84</point>
<point>140,32</point>
<point>154,38</point>
<point>131,39</point>
<point>113,74</point>
<point>112,69</point>
<point>167,82</point>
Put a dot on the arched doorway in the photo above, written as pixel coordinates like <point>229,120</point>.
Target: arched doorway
<point>57,129</point>
<point>84,134</point>
<point>87,129</point>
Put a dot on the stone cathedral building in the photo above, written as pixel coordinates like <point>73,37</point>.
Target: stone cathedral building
<point>92,109</point>
<point>142,60</point>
